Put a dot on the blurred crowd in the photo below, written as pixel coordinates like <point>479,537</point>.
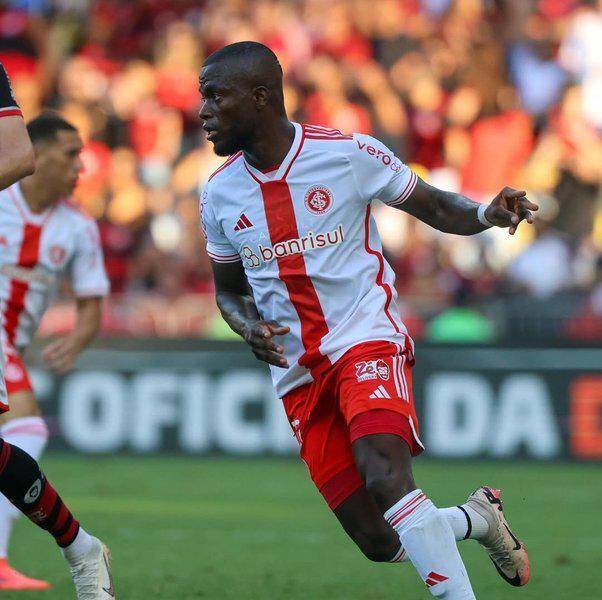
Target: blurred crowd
<point>473,94</point>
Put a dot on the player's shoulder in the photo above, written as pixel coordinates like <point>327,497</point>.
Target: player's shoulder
<point>353,145</point>
<point>73,214</point>
<point>225,171</point>
<point>9,202</point>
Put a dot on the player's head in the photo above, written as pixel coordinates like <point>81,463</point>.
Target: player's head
<point>57,146</point>
<point>241,86</point>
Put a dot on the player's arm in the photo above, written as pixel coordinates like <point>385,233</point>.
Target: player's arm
<point>60,355</point>
<point>453,213</point>
<point>240,312</point>
<point>90,284</point>
<point>16,151</point>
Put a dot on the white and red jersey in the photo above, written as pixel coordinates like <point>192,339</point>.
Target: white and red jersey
<point>36,251</point>
<point>310,248</point>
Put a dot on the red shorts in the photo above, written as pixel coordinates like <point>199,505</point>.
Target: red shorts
<point>367,391</point>
<point>15,372</point>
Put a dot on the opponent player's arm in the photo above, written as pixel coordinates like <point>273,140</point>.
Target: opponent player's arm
<point>453,213</point>
<point>16,151</point>
<point>238,309</point>
<point>61,354</point>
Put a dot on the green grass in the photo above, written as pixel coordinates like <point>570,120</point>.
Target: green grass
<point>183,528</point>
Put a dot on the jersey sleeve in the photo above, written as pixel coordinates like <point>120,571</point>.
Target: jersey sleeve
<point>379,173</point>
<point>8,104</point>
<point>219,248</point>
<point>87,269</point>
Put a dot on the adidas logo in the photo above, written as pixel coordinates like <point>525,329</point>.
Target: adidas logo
<point>434,578</point>
<point>243,223</point>
<point>379,392</point>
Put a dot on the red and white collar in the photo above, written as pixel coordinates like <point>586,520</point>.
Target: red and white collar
<point>285,165</point>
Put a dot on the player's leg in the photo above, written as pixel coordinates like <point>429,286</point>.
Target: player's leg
<point>23,483</point>
<point>326,451</point>
<point>385,462</point>
<point>24,428</point>
<point>375,397</point>
<point>363,521</point>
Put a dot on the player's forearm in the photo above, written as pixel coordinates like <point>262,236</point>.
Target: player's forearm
<point>87,322</point>
<point>238,311</point>
<point>446,211</point>
<point>455,213</point>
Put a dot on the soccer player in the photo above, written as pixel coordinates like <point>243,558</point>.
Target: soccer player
<point>300,275</point>
<point>42,235</point>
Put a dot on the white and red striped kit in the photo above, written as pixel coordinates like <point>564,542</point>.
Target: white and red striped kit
<point>310,248</point>
<point>36,251</point>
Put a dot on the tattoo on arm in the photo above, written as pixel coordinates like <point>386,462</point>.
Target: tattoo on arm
<point>446,211</point>
<point>233,295</point>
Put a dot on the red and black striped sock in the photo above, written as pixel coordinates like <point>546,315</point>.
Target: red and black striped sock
<point>24,484</point>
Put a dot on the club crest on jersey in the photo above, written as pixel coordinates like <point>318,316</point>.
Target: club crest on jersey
<point>57,254</point>
<point>372,369</point>
<point>318,199</point>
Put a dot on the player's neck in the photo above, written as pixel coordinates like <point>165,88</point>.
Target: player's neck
<point>271,147</point>
<point>35,195</point>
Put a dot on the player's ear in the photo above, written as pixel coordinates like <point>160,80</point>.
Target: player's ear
<point>261,94</point>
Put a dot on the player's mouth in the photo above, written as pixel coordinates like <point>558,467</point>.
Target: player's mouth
<point>211,133</point>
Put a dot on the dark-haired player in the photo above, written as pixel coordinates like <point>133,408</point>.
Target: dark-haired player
<point>41,237</point>
<point>300,275</point>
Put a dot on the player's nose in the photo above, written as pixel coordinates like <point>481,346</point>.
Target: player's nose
<point>204,112</point>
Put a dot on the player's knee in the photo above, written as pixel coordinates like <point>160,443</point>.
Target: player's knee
<point>387,485</point>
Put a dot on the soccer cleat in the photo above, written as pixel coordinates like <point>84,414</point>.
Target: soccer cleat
<point>507,553</point>
<point>11,579</point>
<point>92,574</point>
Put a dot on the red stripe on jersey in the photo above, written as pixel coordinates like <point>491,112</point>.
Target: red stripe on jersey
<point>28,258</point>
<point>323,130</point>
<point>282,226</point>
<point>11,112</point>
<point>226,164</point>
<point>381,269</point>
<point>322,137</point>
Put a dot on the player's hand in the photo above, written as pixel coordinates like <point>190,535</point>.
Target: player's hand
<point>60,355</point>
<point>259,336</point>
<point>509,208</point>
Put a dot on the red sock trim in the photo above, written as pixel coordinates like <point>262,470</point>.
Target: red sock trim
<point>67,538</point>
<point>61,519</point>
<point>338,488</point>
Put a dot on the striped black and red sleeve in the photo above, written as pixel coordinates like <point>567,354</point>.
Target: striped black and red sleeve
<point>8,104</point>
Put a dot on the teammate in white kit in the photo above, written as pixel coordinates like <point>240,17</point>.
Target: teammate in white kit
<point>299,273</point>
<point>41,237</point>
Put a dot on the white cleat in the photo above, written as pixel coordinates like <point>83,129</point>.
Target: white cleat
<point>507,553</point>
<point>92,574</point>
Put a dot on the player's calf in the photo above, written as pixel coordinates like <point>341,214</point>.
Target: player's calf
<point>363,522</point>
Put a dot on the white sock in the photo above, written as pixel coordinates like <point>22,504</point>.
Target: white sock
<point>31,435</point>
<point>466,523</point>
<point>80,546</point>
<point>429,542</point>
